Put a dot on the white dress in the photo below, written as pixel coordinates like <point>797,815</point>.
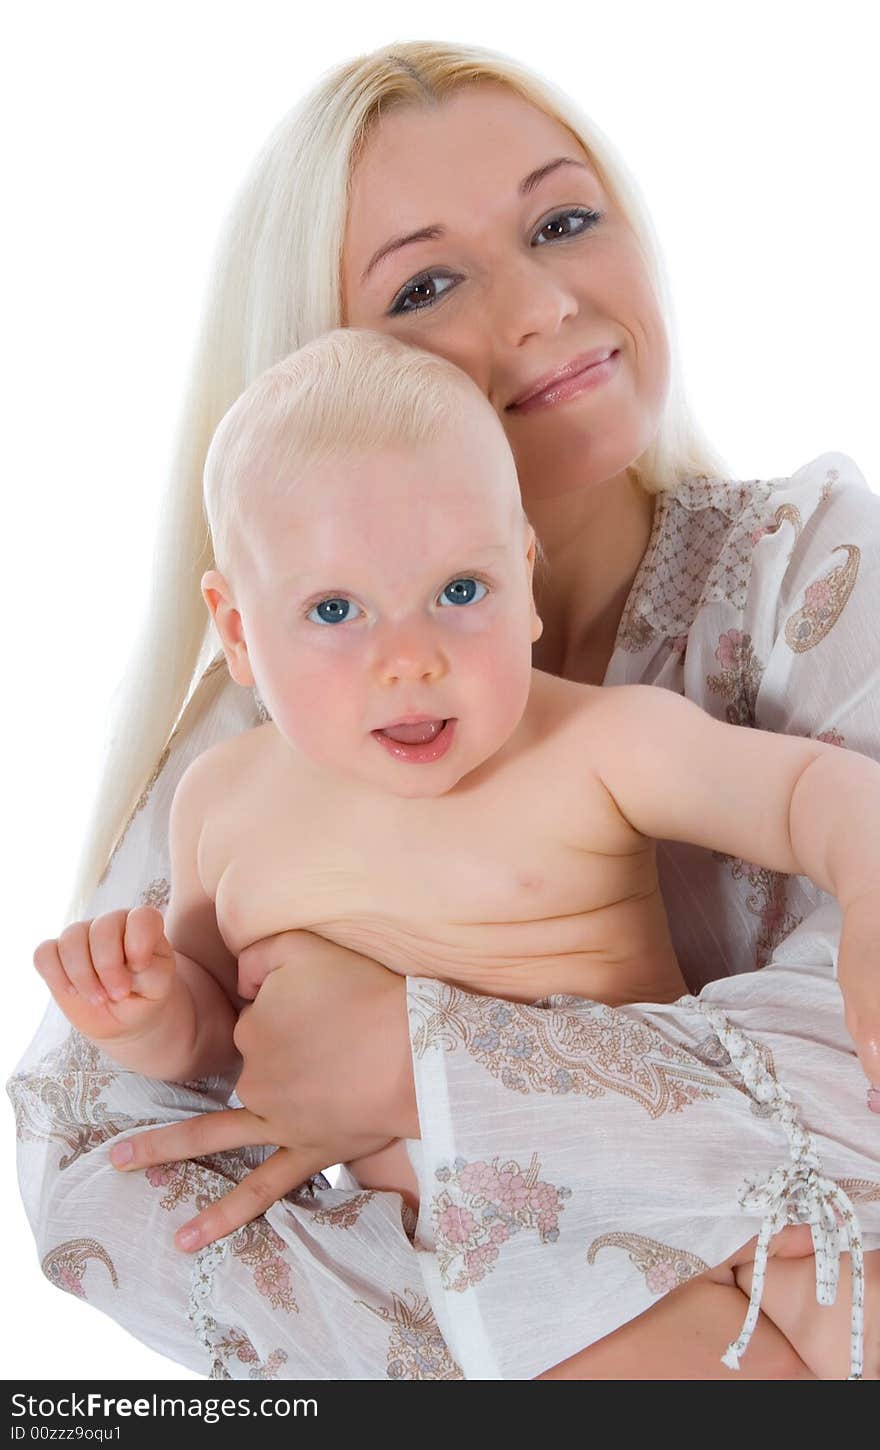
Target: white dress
<point>755,600</point>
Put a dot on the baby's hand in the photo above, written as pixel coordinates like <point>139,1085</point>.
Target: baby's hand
<point>858,972</point>
<point>111,976</point>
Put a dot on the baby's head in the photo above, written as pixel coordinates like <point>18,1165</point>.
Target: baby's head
<point>374,564</point>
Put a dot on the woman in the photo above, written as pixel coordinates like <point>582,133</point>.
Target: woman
<point>444,195</point>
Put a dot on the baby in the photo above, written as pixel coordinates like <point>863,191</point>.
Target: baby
<point>419,793</point>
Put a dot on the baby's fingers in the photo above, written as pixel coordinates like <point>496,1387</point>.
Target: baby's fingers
<point>148,952</point>
<point>47,961</point>
<point>75,955</point>
<point>108,954</point>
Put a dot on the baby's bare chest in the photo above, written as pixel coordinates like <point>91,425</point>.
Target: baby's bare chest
<point>496,876</point>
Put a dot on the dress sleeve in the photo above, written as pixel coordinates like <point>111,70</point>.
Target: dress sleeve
<point>799,654</point>
<point>327,1285</point>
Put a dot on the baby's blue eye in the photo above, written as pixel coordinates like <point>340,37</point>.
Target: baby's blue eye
<point>463,591</point>
<point>331,611</point>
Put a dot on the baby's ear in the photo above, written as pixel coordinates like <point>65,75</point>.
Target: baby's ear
<point>217,594</point>
<point>533,553</point>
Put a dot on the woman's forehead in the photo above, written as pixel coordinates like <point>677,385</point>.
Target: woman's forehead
<point>421,165</point>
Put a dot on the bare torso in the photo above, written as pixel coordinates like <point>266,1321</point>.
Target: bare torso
<point>523,881</point>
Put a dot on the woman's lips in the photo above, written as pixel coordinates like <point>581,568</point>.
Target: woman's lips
<point>418,744</point>
<point>582,375</point>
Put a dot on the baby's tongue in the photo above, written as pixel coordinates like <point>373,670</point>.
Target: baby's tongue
<point>414,734</point>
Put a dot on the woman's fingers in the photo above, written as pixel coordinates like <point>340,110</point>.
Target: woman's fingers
<point>192,1138</point>
<point>208,1133</point>
<point>280,1174</point>
<point>863,1023</point>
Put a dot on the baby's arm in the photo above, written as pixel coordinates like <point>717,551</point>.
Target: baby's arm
<point>793,805</point>
<point>163,1006</point>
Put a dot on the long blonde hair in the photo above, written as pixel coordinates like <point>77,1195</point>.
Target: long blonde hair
<point>275,285</point>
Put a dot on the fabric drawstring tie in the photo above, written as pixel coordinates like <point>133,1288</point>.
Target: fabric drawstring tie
<point>797,1193</point>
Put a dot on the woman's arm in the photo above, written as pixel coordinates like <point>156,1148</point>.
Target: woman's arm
<point>320,1004</point>
<point>327,1287</point>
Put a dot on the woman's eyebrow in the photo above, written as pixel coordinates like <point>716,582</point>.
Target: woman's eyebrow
<point>431,233</point>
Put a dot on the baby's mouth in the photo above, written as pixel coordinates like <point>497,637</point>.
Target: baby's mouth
<point>421,734</point>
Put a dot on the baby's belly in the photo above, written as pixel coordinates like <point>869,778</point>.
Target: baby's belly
<point>619,954</point>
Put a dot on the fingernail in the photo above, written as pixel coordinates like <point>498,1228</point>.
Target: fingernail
<point>97,999</point>
<point>120,1154</point>
<point>874,1098</point>
<point>187,1238</point>
<point>117,993</point>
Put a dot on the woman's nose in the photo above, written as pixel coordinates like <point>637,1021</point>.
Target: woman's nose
<point>530,300</point>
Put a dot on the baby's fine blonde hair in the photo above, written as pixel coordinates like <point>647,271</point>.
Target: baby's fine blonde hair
<point>349,391</point>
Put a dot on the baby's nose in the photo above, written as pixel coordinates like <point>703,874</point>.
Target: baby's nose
<point>411,653</point>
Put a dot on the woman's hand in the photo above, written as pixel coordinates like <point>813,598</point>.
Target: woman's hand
<point>859,978</point>
<point>327,1075</point>
<point>326,1044</point>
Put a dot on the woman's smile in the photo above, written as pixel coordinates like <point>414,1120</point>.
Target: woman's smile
<point>581,375</point>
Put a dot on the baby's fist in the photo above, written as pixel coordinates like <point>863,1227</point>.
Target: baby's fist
<point>109,974</point>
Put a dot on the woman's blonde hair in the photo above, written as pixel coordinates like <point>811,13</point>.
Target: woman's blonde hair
<point>276,285</point>
<point>347,391</point>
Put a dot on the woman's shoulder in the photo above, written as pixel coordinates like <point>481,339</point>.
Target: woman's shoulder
<point>832,477</point>
<point>715,538</point>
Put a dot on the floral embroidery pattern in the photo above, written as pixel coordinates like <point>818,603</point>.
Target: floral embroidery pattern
<point>768,901</point>
<point>664,1267</point>
<point>831,478</point>
<point>832,737</point>
<point>61,1099</point>
<point>861,1190</point>
<point>739,682</point>
<point>257,1244</point>
<point>235,1345</point>
<point>344,1215</point>
<point>786,513</point>
<point>194,1180</point>
<point>824,602</point>
<point>261,1248</point>
<point>416,1348</point>
<point>157,893</point>
<point>497,1201</point>
<point>66,1266</point>
<point>563,1046</point>
<point>740,676</point>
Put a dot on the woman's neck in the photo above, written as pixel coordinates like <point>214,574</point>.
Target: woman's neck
<point>593,541</point>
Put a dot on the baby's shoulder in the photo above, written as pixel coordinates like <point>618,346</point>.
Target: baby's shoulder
<point>578,724</point>
<point>225,766</point>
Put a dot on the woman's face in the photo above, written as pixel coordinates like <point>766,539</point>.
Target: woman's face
<point>478,229</point>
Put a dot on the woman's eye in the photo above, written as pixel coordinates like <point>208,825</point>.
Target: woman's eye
<point>583,218</point>
<point>331,611</point>
<point>463,591</point>
<point>421,292</point>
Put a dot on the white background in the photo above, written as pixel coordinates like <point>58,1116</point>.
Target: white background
<point>753,129</point>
